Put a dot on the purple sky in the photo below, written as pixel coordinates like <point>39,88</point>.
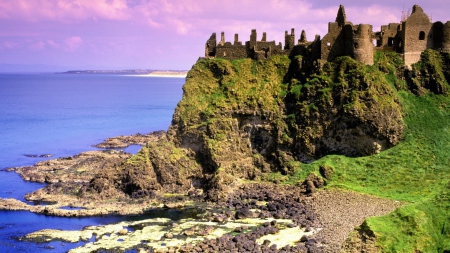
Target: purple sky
<point>167,34</point>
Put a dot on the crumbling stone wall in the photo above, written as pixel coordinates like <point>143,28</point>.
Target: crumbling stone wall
<point>258,50</point>
<point>345,39</point>
<point>411,38</point>
<point>332,44</point>
<point>446,38</point>
<point>388,39</point>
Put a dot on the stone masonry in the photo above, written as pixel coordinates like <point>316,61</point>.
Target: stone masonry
<point>410,38</point>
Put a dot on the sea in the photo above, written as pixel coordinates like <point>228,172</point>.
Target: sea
<point>63,115</point>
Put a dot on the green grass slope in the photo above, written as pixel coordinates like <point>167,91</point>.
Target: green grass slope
<point>415,171</point>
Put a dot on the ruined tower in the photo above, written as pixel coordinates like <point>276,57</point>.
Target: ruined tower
<point>210,47</point>
<point>416,35</point>
<point>253,39</point>
<point>362,44</point>
<point>302,39</point>
<point>289,40</point>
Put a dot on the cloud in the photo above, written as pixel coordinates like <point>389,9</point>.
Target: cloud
<point>52,43</point>
<point>10,45</point>
<point>64,10</point>
<point>73,43</point>
<point>196,17</point>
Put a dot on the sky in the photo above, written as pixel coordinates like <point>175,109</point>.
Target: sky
<point>166,34</point>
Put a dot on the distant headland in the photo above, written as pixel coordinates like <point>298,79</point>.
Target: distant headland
<point>143,72</point>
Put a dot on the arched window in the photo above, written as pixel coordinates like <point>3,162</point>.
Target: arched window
<point>422,35</point>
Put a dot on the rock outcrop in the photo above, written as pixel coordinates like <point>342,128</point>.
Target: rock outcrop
<point>238,120</point>
<point>125,141</point>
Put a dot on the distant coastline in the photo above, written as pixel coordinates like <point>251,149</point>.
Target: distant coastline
<point>168,73</point>
<point>141,72</point>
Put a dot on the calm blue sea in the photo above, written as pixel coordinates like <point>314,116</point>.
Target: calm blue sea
<point>62,115</point>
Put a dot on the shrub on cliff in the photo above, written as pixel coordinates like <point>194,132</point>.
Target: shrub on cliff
<point>431,73</point>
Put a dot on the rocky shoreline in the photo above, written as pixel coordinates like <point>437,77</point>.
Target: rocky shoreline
<point>259,217</point>
<point>136,139</point>
<point>255,217</point>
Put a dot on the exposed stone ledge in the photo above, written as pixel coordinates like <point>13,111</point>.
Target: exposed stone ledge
<point>137,139</point>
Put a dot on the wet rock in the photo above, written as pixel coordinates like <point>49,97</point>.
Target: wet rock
<point>38,155</point>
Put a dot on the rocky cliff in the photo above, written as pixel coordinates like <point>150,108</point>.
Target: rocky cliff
<point>238,120</point>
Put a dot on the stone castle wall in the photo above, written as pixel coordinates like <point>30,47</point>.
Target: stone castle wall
<point>410,38</point>
<point>446,38</point>
<point>417,35</point>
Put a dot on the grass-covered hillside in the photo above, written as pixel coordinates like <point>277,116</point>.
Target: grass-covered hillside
<point>415,171</point>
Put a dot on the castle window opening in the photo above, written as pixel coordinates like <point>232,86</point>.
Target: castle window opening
<point>390,41</point>
<point>356,44</point>
<point>422,35</point>
<point>328,44</point>
<point>376,43</point>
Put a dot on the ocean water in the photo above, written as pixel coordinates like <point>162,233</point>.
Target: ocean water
<point>62,115</point>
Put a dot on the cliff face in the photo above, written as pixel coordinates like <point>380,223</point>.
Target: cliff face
<point>345,108</point>
<point>231,117</point>
<point>243,118</point>
<point>238,120</point>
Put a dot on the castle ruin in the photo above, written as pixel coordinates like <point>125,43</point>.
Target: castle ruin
<point>410,38</point>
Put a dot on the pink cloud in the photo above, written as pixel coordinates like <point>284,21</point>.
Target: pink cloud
<point>64,10</point>
<point>193,17</point>
<point>73,43</point>
<point>10,45</point>
<point>52,43</point>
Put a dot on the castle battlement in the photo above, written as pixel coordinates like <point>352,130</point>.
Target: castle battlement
<point>411,37</point>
